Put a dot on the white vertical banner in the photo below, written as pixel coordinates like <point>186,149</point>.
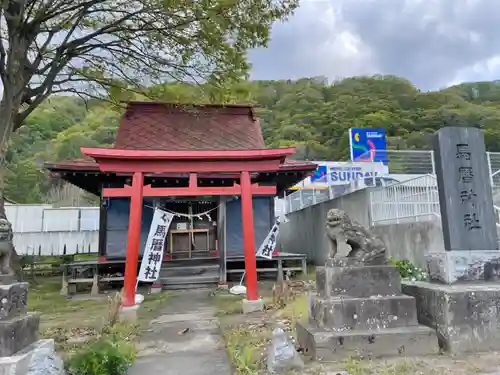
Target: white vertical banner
<point>269,245</point>
<point>155,244</point>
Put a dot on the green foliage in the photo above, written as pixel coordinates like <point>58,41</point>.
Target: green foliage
<point>105,356</point>
<point>408,270</point>
<point>26,260</point>
<point>309,113</point>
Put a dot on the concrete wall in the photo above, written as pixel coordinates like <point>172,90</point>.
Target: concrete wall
<point>412,240</point>
<point>304,233</point>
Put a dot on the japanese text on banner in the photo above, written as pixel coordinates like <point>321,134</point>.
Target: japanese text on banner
<point>153,253</point>
<point>269,245</point>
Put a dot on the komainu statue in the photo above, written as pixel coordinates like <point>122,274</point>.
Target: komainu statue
<point>351,243</point>
<point>6,248</point>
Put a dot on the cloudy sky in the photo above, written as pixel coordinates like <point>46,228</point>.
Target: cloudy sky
<point>433,43</point>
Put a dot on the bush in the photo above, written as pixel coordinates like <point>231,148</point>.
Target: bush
<point>408,270</point>
<point>26,260</point>
<point>107,356</point>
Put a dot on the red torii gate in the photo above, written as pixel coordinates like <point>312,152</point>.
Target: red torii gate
<point>139,162</point>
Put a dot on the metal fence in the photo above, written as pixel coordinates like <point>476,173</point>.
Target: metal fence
<point>417,198</point>
<point>404,162</point>
<point>307,197</point>
<point>412,200</point>
<point>416,162</point>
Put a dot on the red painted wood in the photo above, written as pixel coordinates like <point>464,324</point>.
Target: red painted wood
<point>248,237</point>
<point>115,153</point>
<point>133,239</point>
<point>187,191</point>
<point>179,166</point>
<point>193,180</point>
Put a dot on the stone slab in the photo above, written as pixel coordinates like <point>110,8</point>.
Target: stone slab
<point>390,342</point>
<point>128,313</point>
<point>464,189</point>
<point>345,281</point>
<point>465,316</point>
<point>252,306</point>
<point>38,358</point>
<point>342,314</point>
<point>18,333</point>
<point>13,300</point>
<point>450,267</point>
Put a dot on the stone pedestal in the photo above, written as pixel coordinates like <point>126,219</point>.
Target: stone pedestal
<point>465,316</point>
<point>38,358</point>
<point>17,329</point>
<point>462,300</point>
<point>454,266</point>
<point>20,350</point>
<point>360,311</point>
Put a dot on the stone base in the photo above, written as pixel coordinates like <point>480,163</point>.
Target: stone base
<point>465,316</point>
<point>362,312</point>
<point>128,314</point>
<point>389,342</point>
<point>252,306</point>
<point>13,300</point>
<point>344,314</point>
<point>223,286</point>
<point>38,358</point>
<point>155,289</point>
<point>449,267</point>
<point>8,279</point>
<point>17,333</point>
<point>345,281</point>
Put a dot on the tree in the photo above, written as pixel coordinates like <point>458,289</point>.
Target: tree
<point>86,47</point>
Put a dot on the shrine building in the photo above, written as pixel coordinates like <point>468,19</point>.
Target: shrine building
<point>207,165</point>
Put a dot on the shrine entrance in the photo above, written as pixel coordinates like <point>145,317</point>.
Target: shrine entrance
<point>193,233</point>
<point>244,163</point>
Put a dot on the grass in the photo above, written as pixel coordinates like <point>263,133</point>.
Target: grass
<point>73,321</point>
<point>247,337</point>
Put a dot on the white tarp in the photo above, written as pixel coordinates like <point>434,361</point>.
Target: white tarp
<point>153,253</point>
<point>269,245</point>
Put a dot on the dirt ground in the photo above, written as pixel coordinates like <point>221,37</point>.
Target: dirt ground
<point>72,321</point>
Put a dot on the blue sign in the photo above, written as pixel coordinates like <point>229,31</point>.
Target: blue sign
<point>368,145</point>
<point>320,174</point>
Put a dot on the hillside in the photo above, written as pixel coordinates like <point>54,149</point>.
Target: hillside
<point>310,114</point>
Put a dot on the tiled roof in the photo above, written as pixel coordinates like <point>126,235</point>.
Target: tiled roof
<point>166,126</point>
<point>91,165</point>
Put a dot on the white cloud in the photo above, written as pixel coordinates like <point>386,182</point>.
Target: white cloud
<point>431,42</point>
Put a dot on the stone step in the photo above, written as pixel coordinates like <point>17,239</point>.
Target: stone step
<point>358,281</point>
<point>190,282</point>
<point>376,312</point>
<point>389,342</point>
<point>209,285</point>
<point>197,270</point>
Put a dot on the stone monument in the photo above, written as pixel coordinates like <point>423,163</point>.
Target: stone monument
<point>462,299</point>
<point>359,309</point>
<point>20,350</point>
